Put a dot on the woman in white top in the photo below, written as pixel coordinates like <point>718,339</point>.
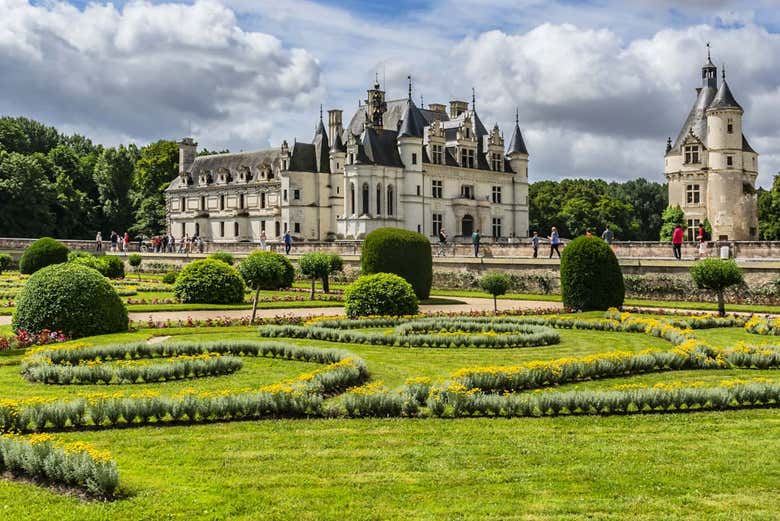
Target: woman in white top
<point>262,240</point>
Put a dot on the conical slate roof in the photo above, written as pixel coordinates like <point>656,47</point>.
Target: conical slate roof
<point>413,123</point>
<point>724,99</point>
<point>517,145</point>
<point>321,148</point>
<point>338,144</point>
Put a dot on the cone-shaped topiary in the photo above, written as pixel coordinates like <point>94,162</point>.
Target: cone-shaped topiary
<point>591,278</point>
<point>380,294</point>
<point>405,253</point>
<point>209,281</point>
<point>71,298</point>
<point>43,252</point>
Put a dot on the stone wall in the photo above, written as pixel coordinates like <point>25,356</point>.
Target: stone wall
<point>755,250</point>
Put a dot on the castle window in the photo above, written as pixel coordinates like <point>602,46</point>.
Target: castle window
<point>183,229</point>
<point>202,202</point>
<point>418,189</point>
<point>437,154</point>
<point>235,229</point>
<point>277,229</point>
<point>467,158</point>
<point>414,158</point>
<point>691,153</point>
<point>467,192</point>
<point>495,162</point>
<point>693,194</point>
<point>284,195</point>
<point>390,200</point>
<point>297,227</point>
<point>378,199</point>
<point>262,226</point>
<point>297,195</point>
<point>497,194</point>
<point>221,202</point>
<point>183,204</point>
<point>262,200</point>
<point>197,229</point>
<point>352,198</point>
<point>437,189</point>
<point>436,220</point>
<point>468,133</point>
<point>365,199</point>
<point>241,201</point>
<point>270,174</point>
<point>730,127</point>
<point>693,229</point>
<point>222,229</point>
<point>496,227</point>
<point>729,160</point>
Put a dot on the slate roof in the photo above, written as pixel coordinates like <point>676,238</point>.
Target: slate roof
<point>303,158</point>
<point>414,123</point>
<point>380,147</point>
<point>321,149</point>
<point>697,118</point>
<point>517,145</point>
<point>724,99</point>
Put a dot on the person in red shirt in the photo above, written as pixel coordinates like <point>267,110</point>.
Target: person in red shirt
<point>677,240</point>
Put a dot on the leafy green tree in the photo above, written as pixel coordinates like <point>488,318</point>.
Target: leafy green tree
<point>113,176</point>
<point>157,166</point>
<point>315,266</point>
<point>26,197</point>
<point>717,275</point>
<point>671,217</point>
<point>769,211</point>
<point>496,284</point>
<point>12,137</point>
<point>264,270</point>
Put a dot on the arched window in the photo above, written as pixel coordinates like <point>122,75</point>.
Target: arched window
<point>352,198</point>
<point>379,199</point>
<point>390,200</point>
<point>467,225</point>
<point>365,199</point>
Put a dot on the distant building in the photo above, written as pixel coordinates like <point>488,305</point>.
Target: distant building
<point>393,165</point>
<point>711,168</point>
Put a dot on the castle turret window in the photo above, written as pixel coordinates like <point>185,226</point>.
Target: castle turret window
<point>414,158</point>
<point>730,126</point>
<point>437,154</point>
<point>729,160</point>
<point>691,153</point>
<point>297,195</point>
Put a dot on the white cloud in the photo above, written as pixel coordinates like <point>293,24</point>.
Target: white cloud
<point>145,71</point>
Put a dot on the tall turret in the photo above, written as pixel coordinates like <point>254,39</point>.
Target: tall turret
<point>376,106</point>
<point>338,151</point>
<point>518,153</point>
<point>410,135</point>
<point>709,73</point>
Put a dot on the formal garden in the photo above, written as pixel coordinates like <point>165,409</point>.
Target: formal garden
<point>380,411</point>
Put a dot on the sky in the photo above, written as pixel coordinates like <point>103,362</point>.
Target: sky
<point>599,84</point>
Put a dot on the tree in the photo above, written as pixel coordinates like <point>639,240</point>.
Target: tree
<point>315,265</point>
<point>26,197</point>
<point>263,270</point>
<point>672,217</point>
<point>716,275</point>
<point>114,176</point>
<point>769,211</point>
<point>157,166</point>
<point>336,264</point>
<point>496,284</point>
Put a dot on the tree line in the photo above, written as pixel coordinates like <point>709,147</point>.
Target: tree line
<point>68,187</point>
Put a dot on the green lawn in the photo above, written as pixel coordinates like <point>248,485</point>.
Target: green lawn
<point>711,465</point>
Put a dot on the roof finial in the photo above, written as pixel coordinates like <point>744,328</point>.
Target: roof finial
<point>320,111</point>
<point>517,116</point>
<point>422,103</point>
<point>723,71</point>
<point>473,99</point>
<point>708,50</point>
<point>409,77</point>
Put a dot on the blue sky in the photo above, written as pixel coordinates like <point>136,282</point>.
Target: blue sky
<point>599,84</point>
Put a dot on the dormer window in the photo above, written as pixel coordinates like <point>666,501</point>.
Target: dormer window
<point>496,162</point>
<point>691,154</point>
<point>468,133</point>
<point>437,154</point>
<point>467,158</point>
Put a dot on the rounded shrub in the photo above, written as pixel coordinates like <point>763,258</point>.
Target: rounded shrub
<point>380,294</point>
<point>716,275</point>
<point>170,277</point>
<point>135,260</point>
<point>496,284</point>
<point>5,262</point>
<point>71,298</point>
<point>43,252</point>
<point>405,253</point>
<point>209,281</point>
<point>591,278</point>
<point>111,266</point>
<point>223,256</point>
<point>265,270</point>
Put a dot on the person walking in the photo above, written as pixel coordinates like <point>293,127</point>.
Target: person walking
<point>99,242</point>
<point>535,243</point>
<point>263,239</point>
<point>677,241</point>
<point>125,242</point>
<point>555,241</point>
<point>442,242</point>
<point>287,242</point>
<point>701,237</point>
<point>114,241</point>
<point>475,238</point>
<point>608,236</point>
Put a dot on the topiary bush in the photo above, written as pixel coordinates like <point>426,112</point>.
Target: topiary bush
<point>135,260</point>
<point>170,277</point>
<point>264,270</point>
<point>314,266</point>
<point>5,262</point>
<point>716,275</point>
<point>225,257</point>
<point>405,253</point>
<point>111,266</point>
<point>380,294</point>
<point>496,284</point>
<point>43,252</point>
<point>591,278</point>
<point>71,298</point>
<point>209,281</point>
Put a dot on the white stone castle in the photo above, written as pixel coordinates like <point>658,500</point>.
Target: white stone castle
<point>394,165</point>
<point>711,168</point>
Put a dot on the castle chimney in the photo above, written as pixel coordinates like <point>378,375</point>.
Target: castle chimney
<point>437,107</point>
<point>334,124</point>
<point>188,149</point>
<point>458,107</point>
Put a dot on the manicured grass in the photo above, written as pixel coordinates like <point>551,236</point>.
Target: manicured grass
<point>713,465</point>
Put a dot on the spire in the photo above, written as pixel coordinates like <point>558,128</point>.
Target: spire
<point>668,144</point>
<point>410,87</point>
<point>724,99</point>
<point>320,111</point>
<point>709,73</point>
<point>473,99</point>
<point>413,123</point>
<point>517,145</point>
